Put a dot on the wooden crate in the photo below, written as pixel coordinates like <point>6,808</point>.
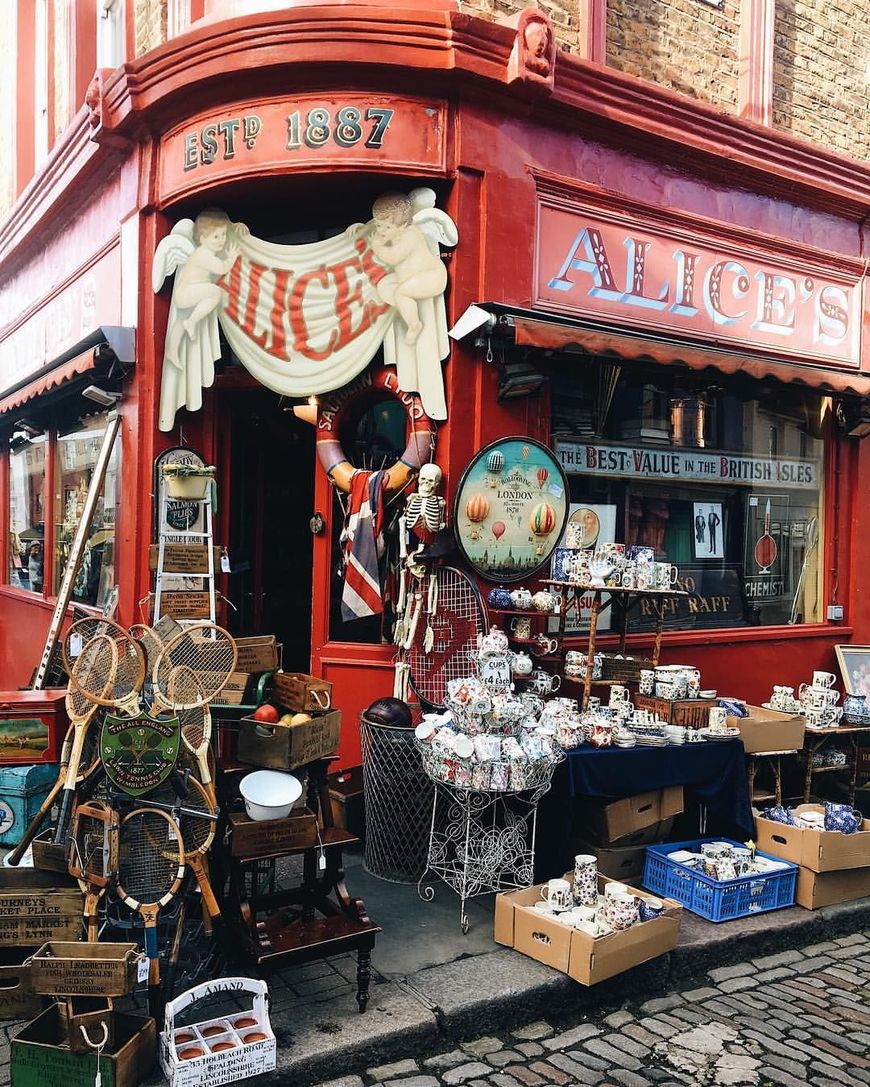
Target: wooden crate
<point>38,906</point>
<point>254,839</point>
<point>257,654</point>
<point>623,669</point>
<point>47,856</point>
<point>91,1013</point>
<point>346,800</point>
<point>302,693</point>
<point>284,747</point>
<point>18,1000</point>
<point>691,713</point>
<point>233,694</point>
<point>83,969</point>
<point>39,1060</point>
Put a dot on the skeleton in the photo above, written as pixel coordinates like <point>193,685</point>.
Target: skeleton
<point>424,517</point>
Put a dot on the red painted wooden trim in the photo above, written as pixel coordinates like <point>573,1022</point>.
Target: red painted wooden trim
<point>755,78</point>
<point>25,137</point>
<point>83,48</point>
<point>593,30</point>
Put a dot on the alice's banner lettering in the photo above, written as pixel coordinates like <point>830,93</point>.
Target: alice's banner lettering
<point>306,319</point>
<point>692,465</point>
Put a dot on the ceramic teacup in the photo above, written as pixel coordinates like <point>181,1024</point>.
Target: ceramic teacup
<point>557,893</point>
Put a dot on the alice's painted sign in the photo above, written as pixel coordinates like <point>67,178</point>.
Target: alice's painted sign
<point>694,465</point>
<point>658,275</point>
<point>306,319</point>
<point>312,131</point>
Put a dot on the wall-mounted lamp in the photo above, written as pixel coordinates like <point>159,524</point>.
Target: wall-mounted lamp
<point>28,428</point>
<point>103,397</point>
<point>854,419</point>
<point>519,378</point>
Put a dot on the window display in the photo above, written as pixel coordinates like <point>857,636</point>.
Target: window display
<point>27,512</point>
<point>76,458</point>
<point>726,479</point>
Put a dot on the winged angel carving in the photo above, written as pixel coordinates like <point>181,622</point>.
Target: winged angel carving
<point>396,259</point>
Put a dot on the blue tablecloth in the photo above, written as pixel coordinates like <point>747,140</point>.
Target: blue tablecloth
<point>715,773</point>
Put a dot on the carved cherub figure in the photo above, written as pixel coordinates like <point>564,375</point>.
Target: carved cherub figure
<point>417,271</point>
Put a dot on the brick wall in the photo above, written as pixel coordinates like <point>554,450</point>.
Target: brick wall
<point>151,19</point>
<point>820,78</point>
<point>684,45</point>
<point>563,14</point>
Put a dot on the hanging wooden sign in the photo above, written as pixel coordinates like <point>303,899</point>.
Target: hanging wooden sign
<point>186,605</point>
<point>188,559</point>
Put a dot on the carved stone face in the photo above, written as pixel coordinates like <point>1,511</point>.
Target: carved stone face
<point>429,479</point>
<point>537,37</point>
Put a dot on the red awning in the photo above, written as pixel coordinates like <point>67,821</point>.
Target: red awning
<point>554,336</point>
<point>51,380</point>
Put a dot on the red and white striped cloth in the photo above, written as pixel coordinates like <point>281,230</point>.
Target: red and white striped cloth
<point>364,547</point>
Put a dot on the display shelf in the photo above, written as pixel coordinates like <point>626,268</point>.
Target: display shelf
<point>532,612</point>
<point>815,740</point>
<point>614,590</point>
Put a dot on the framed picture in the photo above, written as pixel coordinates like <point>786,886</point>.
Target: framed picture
<point>854,661</point>
<point>708,531</point>
<point>510,509</point>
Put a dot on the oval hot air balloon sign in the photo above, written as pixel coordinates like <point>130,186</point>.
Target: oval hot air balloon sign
<point>511,508</point>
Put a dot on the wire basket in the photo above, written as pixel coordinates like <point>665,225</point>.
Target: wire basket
<point>398,803</point>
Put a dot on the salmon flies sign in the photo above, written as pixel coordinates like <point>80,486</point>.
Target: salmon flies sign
<point>647,274</point>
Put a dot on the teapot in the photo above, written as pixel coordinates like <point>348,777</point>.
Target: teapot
<point>495,643</point>
<point>500,598</point>
<point>521,599</point>
<point>522,664</point>
<point>546,601</point>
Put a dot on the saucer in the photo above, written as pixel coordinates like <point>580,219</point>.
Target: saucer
<point>726,734</point>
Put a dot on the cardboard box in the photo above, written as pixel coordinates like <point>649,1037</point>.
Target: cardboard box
<point>769,730</point>
<point>85,969</point>
<point>262,838</point>
<point>38,906</point>
<point>816,889</point>
<point>32,726</point>
<point>818,850</point>
<point>625,862</point>
<point>587,959</point>
<point>18,1000</point>
<point>620,819</point>
<point>284,747</point>
<point>38,1058</point>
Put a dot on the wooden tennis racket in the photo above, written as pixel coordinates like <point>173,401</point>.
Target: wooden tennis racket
<point>196,816</point>
<point>92,679</point>
<point>150,873</point>
<point>92,856</point>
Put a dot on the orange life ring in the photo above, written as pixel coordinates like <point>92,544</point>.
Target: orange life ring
<point>421,441</point>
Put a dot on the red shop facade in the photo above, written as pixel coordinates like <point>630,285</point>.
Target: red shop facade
<point>670,298</point>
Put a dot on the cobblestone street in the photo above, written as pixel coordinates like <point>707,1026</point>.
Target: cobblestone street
<point>792,1019</point>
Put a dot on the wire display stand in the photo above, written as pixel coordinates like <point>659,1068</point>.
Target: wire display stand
<point>482,842</point>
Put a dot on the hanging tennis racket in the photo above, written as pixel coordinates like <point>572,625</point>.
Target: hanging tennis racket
<point>766,548</point>
<point>185,688</point>
<point>92,856</point>
<point>150,874</point>
<point>128,674</point>
<point>91,679</point>
<point>450,633</point>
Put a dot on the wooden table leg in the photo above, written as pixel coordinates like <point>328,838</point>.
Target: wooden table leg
<point>777,778</point>
<point>658,606</point>
<point>363,977</point>
<point>812,747</point>
<point>853,783</point>
<point>751,770</point>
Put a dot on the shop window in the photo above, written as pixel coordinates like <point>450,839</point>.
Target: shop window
<point>27,511</point>
<point>373,438</point>
<point>110,33</point>
<point>723,478</point>
<point>77,453</point>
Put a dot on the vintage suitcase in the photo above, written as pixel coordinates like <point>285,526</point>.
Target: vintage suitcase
<point>32,726</point>
<point>22,791</point>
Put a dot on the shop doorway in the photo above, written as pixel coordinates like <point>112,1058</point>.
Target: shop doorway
<point>272,501</point>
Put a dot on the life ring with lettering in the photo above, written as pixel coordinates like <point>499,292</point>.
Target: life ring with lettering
<point>331,411</point>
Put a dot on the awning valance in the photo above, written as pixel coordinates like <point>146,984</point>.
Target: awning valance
<point>528,328</point>
<point>73,367</point>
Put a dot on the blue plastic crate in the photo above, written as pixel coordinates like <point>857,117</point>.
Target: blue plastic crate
<point>717,900</point>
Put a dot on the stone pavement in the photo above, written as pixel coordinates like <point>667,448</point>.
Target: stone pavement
<point>791,1019</point>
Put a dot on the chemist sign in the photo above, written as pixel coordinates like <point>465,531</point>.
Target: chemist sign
<point>686,465</point>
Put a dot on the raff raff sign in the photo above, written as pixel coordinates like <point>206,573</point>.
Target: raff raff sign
<point>607,264</point>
